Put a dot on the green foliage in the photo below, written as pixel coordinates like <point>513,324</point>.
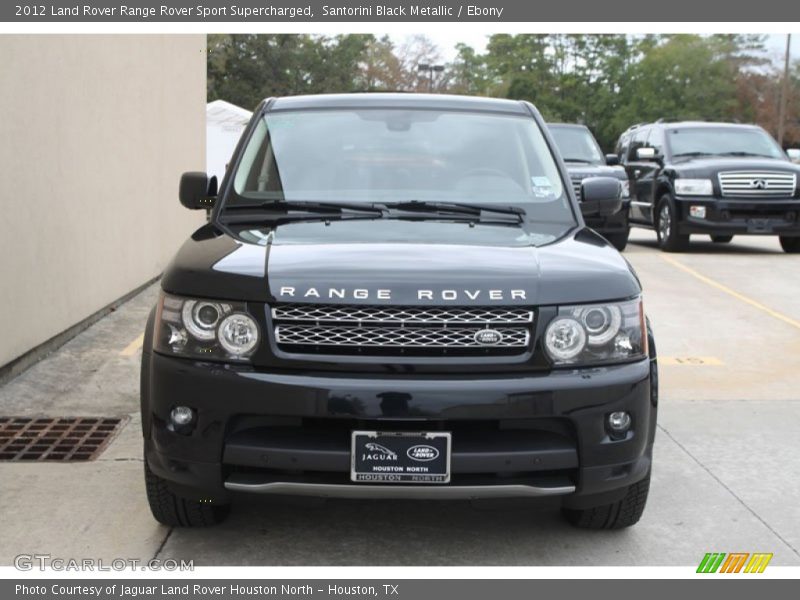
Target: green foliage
<point>245,69</point>
<point>607,82</point>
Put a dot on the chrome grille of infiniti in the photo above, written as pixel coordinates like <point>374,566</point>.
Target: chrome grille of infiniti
<point>401,330</point>
<point>757,184</point>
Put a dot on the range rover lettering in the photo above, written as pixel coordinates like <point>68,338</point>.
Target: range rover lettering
<point>584,159</point>
<point>396,296</point>
<point>719,179</point>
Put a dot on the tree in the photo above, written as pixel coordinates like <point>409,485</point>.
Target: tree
<point>244,69</point>
<point>682,78</point>
<point>380,68</point>
<point>414,51</point>
<point>469,74</point>
<point>607,82</point>
<point>758,96</point>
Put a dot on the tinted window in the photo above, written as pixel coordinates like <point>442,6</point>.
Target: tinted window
<point>721,141</point>
<point>639,140</point>
<point>623,145</point>
<point>656,140</point>
<point>577,144</point>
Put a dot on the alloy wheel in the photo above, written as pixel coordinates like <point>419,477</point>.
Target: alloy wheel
<point>664,222</point>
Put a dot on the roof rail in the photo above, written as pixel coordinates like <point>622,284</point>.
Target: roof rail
<point>635,126</point>
<point>733,120</point>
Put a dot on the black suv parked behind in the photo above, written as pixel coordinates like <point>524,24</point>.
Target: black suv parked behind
<point>584,159</point>
<point>396,296</point>
<point>721,179</point>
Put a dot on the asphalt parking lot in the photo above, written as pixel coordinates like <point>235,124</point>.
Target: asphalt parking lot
<point>726,475</point>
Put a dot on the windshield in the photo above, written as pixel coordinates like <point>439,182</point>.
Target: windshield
<point>394,155</point>
<point>721,141</point>
<point>577,144</point>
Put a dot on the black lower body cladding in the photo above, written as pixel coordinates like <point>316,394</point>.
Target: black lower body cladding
<point>761,216</point>
<point>292,432</point>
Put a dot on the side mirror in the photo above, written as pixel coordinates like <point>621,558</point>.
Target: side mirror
<point>601,196</point>
<point>612,160</point>
<point>197,190</point>
<point>646,153</point>
<point>794,154</point>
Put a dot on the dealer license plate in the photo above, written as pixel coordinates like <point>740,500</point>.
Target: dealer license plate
<point>400,457</point>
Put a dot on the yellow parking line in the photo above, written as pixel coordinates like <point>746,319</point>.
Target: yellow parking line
<point>133,347</point>
<point>730,292</point>
<point>690,361</point>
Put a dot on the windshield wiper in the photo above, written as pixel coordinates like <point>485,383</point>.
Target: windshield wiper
<point>456,208</point>
<point>340,210</point>
<point>277,219</point>
<point>745,153</point>
<point>579,160</point>
<point>307,206</point>
<point>278,210</point>
<point>692,154</point>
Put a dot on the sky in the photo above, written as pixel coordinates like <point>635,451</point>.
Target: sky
<point>447,39</point>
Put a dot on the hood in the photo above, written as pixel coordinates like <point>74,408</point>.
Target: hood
<point>703,167</point>
<point>400,262</point>
<point>581,170</point>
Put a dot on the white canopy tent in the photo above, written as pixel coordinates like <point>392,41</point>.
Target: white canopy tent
<point>224,125</point>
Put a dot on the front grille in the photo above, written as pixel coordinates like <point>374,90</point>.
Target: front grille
<point>400,337</point>
<point>401,314</point>
<point>402,330</point>
<point>757,184</point>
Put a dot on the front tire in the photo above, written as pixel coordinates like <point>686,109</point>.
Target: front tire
<point>721,239</point>
<point>790,245</point>
<point>617,515</point>
<point>666,223</point>
<point>170,509</point>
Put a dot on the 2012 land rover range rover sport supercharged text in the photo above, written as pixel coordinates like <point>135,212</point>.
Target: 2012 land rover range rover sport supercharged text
<point>397,296</point>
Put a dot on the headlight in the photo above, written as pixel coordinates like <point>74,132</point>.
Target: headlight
<point>597,333</point>
<point>201,318</point>
<point>238,334</point>
<point>626,188</point>
<point>205,329</point>
<point>694,187</point>
<point>565,339</point>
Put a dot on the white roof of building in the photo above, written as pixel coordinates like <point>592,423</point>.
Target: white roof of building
<point>224,113</point>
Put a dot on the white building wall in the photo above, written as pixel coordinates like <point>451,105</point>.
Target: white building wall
<point>95,131</point>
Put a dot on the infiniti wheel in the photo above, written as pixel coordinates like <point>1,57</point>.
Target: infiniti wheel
<point>666,226</point>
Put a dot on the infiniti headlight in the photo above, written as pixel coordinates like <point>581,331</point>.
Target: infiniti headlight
<point>597,333</point>
<point>205,329</point>
<point>694,187</point>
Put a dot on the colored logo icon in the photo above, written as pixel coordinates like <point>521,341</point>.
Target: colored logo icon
<point>736,562</point>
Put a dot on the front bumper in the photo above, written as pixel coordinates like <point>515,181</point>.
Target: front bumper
<point>740,217</point>
<point>531,436</point>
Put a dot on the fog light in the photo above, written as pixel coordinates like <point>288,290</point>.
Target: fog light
<point>698,212</point>
<point>619,422</point>
<point>181,416</point>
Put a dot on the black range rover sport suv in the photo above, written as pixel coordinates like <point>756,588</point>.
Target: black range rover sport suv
<point>719,179</point>
<point>396,296</point>
<point>584,158</point>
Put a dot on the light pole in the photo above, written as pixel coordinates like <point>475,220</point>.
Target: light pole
<point>784,92</point>
<point>430,69</point>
